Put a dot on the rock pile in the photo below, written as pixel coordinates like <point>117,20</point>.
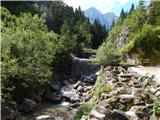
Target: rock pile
<point>132,97</point>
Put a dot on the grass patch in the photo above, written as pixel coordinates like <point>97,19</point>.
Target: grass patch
<point>103,89</point>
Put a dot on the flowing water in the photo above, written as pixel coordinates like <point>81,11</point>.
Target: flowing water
<point>48,110</point>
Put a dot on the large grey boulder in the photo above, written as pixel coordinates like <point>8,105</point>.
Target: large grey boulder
<point>52,97</point>
<point>27,105</point>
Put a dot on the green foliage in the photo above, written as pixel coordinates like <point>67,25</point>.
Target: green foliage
<point>84,110</point>
<point>27,54</point>
<point>142,39</point>
<point>106,55</point>
<point>16,7</point>
<point>58,13</point>
<point>74,25</point>
<point>157,108</point>
<point>99,34</point>
<point>102,89</point>
<point>147,40</point>
<point>131,9</point>
<point>154,13</point>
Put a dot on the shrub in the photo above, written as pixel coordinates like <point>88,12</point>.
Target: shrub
<point>147,40</point>
<point>27,53</point>
<point>106,54</point>
<point>157,108</point>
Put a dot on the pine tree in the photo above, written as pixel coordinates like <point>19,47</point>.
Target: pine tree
<point>123,14</point>
<point>113,23</point>
<point>99,33</point>
<point>141,4</point>
<point>132,9</point>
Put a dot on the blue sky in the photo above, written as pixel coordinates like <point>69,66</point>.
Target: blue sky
<point>103,5</point>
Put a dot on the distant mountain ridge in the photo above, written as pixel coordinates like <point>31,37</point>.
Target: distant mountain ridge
<point>105,19</point>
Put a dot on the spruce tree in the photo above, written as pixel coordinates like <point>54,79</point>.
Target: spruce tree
<point>132,9</point>
<point>123,14</point>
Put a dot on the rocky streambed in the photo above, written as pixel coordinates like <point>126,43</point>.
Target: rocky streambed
<point>60,105</point>
<point>118,94</point>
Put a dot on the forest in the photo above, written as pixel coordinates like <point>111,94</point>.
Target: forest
<point>36,44</point>
<point>40,39</point>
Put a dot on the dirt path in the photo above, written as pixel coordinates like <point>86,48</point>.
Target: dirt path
<point>148,70</point>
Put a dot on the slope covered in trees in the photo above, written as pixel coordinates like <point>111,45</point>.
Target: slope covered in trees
<point>134,36</point>
<point>36,46</point>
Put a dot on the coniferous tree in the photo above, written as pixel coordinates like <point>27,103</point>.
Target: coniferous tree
<point>122,14</point>
<point>113,23</point>
<point>154,13</point>
<point>132,9</point>
<point>99,33</point>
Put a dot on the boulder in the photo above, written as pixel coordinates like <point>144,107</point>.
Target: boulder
<point>90,79</point>
<point>8,113</point>
<point>116,72</point>
<point>48,117</point>
<point>84,117</point>
<point>45,117</point>
<point>139,102</point>
<point>143,112</point>
<point>97,115</point>
<point>74,105</point>
<point>75,86</point>
<point>56,87</point>
<point>71,96</point>
<point>125,75</point>
<point>52,97</point>
<point>80,89</point>
<point>13,105</point>
<point>27,105</point>
<point>125,99</point>
<point>119,115</point>
<point>124,79</point>
<point>87,88</point>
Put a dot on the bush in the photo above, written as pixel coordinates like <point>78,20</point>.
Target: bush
<point>147,40</point>
<point>106,55</point>
<point>27,54</point>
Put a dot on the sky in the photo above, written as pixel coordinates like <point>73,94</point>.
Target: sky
<point>103,5</point>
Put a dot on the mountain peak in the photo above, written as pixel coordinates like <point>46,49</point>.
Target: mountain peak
<point>105,19</point>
